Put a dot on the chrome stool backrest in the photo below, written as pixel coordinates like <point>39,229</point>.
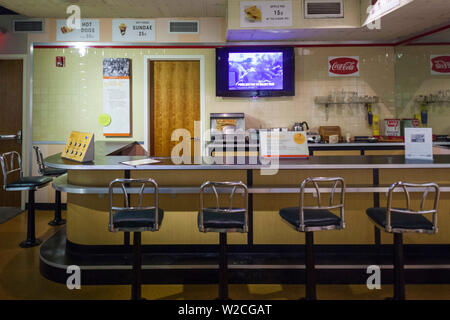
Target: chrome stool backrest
<point>126,184</point>
<point>10,163</point>
<point>315,181</point>
<point>417,188</point>
<point>40,160</point>
<point>234,185</point>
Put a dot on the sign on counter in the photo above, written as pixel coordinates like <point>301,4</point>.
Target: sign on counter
<point>257,14</point>
<point>291,144</point>
<point>133,30</point>
<point>89,31</point>
<point>440,65</point>
<point>116,96</point>
<point>419,143</point>
<point>343,66</point>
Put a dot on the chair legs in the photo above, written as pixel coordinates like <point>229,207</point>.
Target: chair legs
<point>223,268</point>
<point>57,220</point>
<point>137,267</point>
<point>310,267</point>
<point>399,275</point>
<point>31,240</point>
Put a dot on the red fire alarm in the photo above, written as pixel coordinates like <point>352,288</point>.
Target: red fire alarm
<point>61,62</point>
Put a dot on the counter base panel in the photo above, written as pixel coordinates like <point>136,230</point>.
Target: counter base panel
<point>263,264</point>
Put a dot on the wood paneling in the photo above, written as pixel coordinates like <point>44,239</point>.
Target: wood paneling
<point>11,77</point>
<point>174,102</point>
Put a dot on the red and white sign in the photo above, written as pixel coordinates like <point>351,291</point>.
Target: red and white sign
<point>440,65</point>
<point>343,66</point>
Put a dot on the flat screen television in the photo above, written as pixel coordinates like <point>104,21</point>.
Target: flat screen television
<point>255,71</point>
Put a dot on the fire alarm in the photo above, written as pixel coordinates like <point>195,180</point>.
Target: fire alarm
<point>61,62</point>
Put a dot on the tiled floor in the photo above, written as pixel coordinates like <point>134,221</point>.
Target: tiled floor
<point>20,278</point>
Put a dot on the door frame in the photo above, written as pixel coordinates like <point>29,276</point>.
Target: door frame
<point>26,130</point>
<point>147,60</point>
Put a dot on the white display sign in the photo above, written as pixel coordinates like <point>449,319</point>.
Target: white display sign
<point>116,96</point>
<point>381,7</point>
<point>133,30</point>
<point>291,144</point>
<point>89,31</point>
<point>256,14</point>
<point>419,143</point>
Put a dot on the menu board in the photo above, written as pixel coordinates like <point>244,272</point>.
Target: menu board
<point>291,144</point>
<point>133,30</point>
<point>89,31</point>
<point>116,96</point>
<point>258,14</point>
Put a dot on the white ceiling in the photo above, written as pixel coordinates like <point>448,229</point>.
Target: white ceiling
<point>119,8</point>
<point>412,19</point>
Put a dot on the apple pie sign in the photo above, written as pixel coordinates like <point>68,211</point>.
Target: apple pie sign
<point>440,65</point>
<point>343,66</point>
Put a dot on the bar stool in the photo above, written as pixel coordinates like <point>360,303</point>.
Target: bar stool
<point>401,220</point>
<point>223,220</point>
<point>50,172</point>
<point>310,219</point>
<point>11,162</point>
<point>134,219</point>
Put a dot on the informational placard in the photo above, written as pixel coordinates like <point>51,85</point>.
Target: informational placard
<point>79,147</point>
<point>440,65</point>
<point>89,31</point>
<point>116,96</point>
<point>343,66</point>
<point>419,143</point>
<point>292,144</point>
<point>133,30</point>
<point>256,14</point>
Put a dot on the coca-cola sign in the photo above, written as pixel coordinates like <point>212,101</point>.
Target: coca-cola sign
<point>343,66</point>
<point>440,65</point>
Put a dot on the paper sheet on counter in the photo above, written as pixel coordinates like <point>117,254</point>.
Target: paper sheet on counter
<point>141,162</point>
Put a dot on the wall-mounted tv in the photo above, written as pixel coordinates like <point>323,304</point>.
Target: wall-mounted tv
<point>255,71</point>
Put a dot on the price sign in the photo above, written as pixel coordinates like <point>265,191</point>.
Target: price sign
<point>89,31</point>
<point>258,14</point>
<point>133,30</point>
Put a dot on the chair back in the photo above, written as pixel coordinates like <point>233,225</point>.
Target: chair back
<point>317,183</point>
<point>10,163</point>
<point>132,186</point>
<point>407,187</point>
<point>40,160</point>
<point>224,187</point>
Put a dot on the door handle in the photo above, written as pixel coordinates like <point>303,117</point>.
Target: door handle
<point>17,136</point>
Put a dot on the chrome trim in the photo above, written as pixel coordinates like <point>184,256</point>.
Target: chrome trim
<point>11,167</point>
<point>404,186</point>
<point>315,180</point>
<point>124,186</point>
<point>224,185</point>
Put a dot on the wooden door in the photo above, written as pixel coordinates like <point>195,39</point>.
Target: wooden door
<point>11,77</point>
<point>174,102</point>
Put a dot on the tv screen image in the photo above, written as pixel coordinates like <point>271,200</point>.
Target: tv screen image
<point>255,70</point>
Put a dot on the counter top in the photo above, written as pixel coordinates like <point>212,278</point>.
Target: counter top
<point>103,162</point>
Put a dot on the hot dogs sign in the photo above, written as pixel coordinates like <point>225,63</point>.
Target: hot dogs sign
<point>343,66</point>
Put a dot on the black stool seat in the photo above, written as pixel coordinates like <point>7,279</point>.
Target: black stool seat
<point>399,220</point>
<point>313,218</point>
<point>137,218</point>
<point>29,182</point>
<point>53,172</point>
<point>218,220</point>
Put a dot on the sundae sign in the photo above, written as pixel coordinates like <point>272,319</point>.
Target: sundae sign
<point>440,65</point>
<point>343,66</point>
<point>133,30</point>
